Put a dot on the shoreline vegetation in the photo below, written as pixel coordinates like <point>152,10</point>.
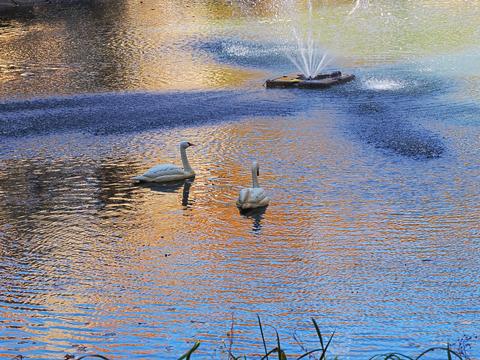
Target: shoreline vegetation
<point>277,352</point>
<point>10,4</point>
<point>22,4</point>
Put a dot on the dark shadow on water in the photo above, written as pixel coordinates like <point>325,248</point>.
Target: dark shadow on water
<point>172,187</point>
<point>385,127</point>
<point>392,120</point>
<point>256,215</point>
<point>186,193</point>
<point>388,120</point>
<point>168,187</point>
<point>114,113</point>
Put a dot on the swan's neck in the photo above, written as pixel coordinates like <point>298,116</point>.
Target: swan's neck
<point>255,177</point>
<point>186,165</point>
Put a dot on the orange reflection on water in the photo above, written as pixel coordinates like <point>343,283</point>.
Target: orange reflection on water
<point>124,263</point>
<point>132,46</point>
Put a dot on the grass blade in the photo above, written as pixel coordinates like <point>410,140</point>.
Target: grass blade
<point>390,356</point>
<point>324,353</point>
<point>263,337</point>
<point>189,353</point>
<point>319,334</point>
<point>281,353</point>
<point>309,353</point>
<point>447,349</point>
<point>269,353</point>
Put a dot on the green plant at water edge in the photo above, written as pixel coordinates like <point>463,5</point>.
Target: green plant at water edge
<point>396,356</point>
<point>278,353</point>
<point>189,353</point>
<point>464,345</point>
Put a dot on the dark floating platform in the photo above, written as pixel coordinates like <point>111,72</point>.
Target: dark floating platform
<point>321,81</point>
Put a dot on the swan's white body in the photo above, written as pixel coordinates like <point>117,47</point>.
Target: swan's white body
<point>168,172</point>
<point>254,197</point>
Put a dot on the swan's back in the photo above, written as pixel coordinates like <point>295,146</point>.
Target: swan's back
<point>243,196</point>
<point>161,171</point>
<point>252,198</point>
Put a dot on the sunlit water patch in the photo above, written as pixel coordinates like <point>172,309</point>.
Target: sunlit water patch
<point>384,84</point>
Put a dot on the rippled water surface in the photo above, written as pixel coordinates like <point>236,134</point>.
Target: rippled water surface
<point>373,227</point>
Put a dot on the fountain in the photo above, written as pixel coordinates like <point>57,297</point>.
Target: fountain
<point>320,81</point>
<point>310,61</point>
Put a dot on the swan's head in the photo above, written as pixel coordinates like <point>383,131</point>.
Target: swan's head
<point>185,144</point>
<point>256,168</point>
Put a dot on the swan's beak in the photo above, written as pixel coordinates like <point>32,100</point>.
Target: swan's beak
<point>258,172</point>
<point>190,144</point>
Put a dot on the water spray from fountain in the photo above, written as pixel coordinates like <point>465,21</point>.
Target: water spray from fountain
<point>359,4</point>
<point>308,56</point>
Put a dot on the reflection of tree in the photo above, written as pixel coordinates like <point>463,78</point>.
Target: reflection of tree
<point>112,45</point>
<point>84,43</point>
<point>99,52</point>
<point>48,225</point>
<point>31,187</point>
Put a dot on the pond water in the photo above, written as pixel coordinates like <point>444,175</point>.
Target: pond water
<point>373,227</point>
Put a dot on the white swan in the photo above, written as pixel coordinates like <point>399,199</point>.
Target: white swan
<point>255,196</point>
<point>168,172</point>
